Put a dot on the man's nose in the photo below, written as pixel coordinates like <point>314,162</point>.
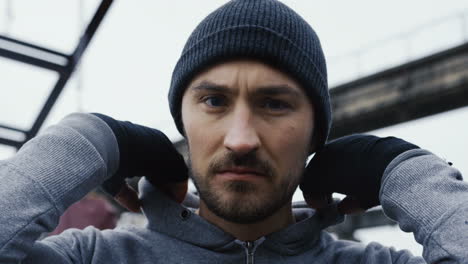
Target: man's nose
<point>241,135</point>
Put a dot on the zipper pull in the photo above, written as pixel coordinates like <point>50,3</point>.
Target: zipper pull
<point>250,252</point>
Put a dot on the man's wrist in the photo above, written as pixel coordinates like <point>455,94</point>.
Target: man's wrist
<point>418,189</point>
<point>69,159</point>
<point>99,134</point>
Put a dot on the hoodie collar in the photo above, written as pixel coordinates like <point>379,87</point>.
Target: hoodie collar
<point>173,219</point>
<point>170,218</point>
<point>303,234</point>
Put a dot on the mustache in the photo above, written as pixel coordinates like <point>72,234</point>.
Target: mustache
<point>249,160</point>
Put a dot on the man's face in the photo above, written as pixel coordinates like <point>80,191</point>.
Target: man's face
<point>249,130</point>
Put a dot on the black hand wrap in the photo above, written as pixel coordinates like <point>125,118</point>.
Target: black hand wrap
<point>143,152</point>
<point>354,166</point>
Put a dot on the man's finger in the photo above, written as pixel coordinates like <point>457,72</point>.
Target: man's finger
<point>318,201</point>
<point>175,190</point>
<point>128,198</point>
<point>350,205</point>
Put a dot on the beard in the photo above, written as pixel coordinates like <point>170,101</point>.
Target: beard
<point>245,202</point>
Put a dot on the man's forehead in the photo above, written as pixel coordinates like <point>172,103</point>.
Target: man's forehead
<point>260,77</point>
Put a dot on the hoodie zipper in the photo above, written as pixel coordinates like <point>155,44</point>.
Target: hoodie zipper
<point>250,246</point>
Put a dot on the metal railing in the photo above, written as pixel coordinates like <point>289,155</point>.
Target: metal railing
<point>418,42</point>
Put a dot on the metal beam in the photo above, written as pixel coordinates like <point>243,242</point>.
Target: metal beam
<point>75,59</point>
<point>12,128</point>
<point>10,142</point>
<point>33,54</point>
<point>90,30</point>
<point>31,60</point>
<point>63,79</point>
<point>32,46</point>
<point>428,86</point>
<point>51,60</point>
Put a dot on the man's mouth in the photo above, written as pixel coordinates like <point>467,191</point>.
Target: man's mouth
<point>240,173</point>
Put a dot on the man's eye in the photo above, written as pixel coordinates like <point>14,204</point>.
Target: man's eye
<point>276,105</point>
<point>214,101</point>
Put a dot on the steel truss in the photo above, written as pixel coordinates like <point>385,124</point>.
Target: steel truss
<point>63,64</point>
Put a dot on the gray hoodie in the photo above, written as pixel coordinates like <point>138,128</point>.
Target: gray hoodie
<point>420,191</point>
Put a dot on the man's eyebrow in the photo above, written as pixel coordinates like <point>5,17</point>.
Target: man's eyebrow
<point>209,86</point>
<point>273,90</point>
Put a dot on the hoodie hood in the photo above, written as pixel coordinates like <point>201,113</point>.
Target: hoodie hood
<point>179,221</point>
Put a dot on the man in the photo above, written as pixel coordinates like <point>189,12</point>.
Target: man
<point>250,95</point>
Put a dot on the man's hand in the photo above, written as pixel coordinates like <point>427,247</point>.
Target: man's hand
<point>145,152</point>
<point>352,165</point>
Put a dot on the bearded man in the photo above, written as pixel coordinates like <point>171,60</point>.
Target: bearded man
<point>250,95</point>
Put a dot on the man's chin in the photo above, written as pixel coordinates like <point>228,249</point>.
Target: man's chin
<point>238,212</point>
<point>240,201</point>
<point>246,207</point>
<point>240,187</point>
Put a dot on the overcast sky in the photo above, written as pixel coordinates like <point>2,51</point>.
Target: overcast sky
<point>127,68</point>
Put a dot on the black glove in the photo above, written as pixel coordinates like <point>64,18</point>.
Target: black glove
<point>143,152</point>
<point>352,165</point>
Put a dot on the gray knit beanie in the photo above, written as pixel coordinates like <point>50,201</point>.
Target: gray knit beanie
<point>266,30</point>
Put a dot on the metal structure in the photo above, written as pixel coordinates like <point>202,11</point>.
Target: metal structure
<point>405,46</point>
<point>63,64</point>
<point>420,88</point>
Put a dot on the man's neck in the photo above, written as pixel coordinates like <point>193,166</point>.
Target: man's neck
<point>251,232</point>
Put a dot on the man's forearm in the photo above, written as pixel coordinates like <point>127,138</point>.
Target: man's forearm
<point>428,197</point>
<point>47,175</point>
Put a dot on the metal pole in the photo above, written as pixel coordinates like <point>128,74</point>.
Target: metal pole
<point>79,72</point>
<point>75,58</point>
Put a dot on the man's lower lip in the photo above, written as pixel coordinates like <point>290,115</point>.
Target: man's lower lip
<point>239,176</point>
